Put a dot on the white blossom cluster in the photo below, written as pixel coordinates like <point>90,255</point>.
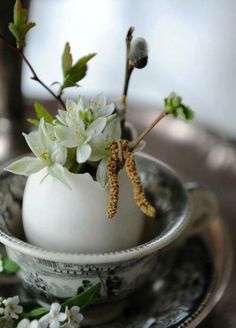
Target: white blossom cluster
<point>81,133</point>
<point>10,312</point>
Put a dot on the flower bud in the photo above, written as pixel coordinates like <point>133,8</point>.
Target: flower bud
<point>173,100</point>
<point>138,55</point>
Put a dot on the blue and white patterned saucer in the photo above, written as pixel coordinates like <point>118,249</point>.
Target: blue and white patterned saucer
<point>185,295</point>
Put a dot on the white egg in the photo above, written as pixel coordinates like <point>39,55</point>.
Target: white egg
<point>60,219</point>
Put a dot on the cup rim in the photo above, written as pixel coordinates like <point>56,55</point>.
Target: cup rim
<point>128,254</point>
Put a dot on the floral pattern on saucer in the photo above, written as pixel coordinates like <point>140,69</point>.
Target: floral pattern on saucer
<point>178,297</point>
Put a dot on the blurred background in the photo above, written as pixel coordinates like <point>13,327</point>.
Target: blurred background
<point>192,51</point>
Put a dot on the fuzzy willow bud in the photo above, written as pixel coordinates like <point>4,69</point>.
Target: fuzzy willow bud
<point>138,55</point>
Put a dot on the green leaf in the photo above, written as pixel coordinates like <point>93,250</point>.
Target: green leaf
<point>14,30</point>
<point>33,121</point>
<point>41,112</point>
<point>188,113</point>
<point>37,313</point>
<point>84,299</point>
<point>20,14</point>
<point>77,71</point>
<point>9,266</point>
<point>19,27</point>
<point>66,59</point>
<point>24,28</point>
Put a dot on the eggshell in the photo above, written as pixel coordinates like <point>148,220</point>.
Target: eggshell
<point>60,219</point>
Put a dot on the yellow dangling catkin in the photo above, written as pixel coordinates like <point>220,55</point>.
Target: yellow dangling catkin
<point>122,155</point>
<point>112,172</point>
<point>139,196</point>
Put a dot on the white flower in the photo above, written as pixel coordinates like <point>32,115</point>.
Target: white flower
<point>87,109</point>
<point>74,317</point>
<point>48,151</point>
<point>99,106</point>
<point>6,322</point>
<point>1,264</point>
<point>76,133</point>
<point>12,309</point>
<point>54,317</point>
<point>25,323</point>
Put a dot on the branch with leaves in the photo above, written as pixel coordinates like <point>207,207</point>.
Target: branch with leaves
<point>73,73</point>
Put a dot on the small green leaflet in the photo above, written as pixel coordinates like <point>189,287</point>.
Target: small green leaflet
<point>9,266</point>
<point>187,113</point>
<point>37,313</point>
<point>20,14</point>
<point>41,112</point>
<point>33,121</point>
<point>66,59</point>
<point>73,73</point>
<point>19,27</point>
<point>173,105</point>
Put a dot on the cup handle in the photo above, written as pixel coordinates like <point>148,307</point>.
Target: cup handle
<point>204,206</point>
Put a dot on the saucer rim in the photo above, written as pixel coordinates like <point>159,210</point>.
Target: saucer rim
<point>220,281</point>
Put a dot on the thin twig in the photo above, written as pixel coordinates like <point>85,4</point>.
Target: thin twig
<point>35,76</point>
<point>128,72</point>
<point>148,129</point>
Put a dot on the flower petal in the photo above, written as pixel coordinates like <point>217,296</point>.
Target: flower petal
<point>25,323</point>
<point>112,132</point>
<point>59,172</point>
<point>106,110</point>
<point>54,324</point>
<point>66,136</point>
<point>71,106</point>
<point>98,101</point>
<point>26,166</point>
<point>83,153</point>
<point>35,324</point>
<point>44,321</point>
<point>73,113</point>
<point>98,145</point>
<point>61,317</point>
<point>55,307</point>
<point>95,128</point>
<point>61,116</point>
<point>82,103</point>
<point>34,142</point>
<point>101,175</point>
<point>59,153</point>
<point>18,309</point>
